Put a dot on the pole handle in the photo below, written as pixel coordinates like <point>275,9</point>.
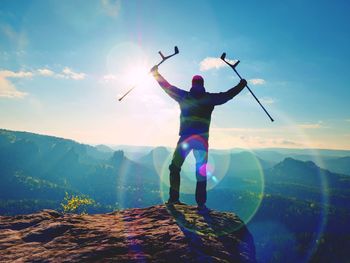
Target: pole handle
<point>176,51</point>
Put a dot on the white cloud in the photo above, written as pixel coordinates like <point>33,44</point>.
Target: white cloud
<point>317,125</point>
<point>267,100</point>
<point>264,100</point>
<point>228,137</point>
<point>109,77</point>
<point>7,89</point>
<point>12,74</point>
<point>235,129</point>
<point>45,72</point>
<point>213,63</point>
<point>110,7</point>
<point>66,73</point>
<point>257,81</point>
<point>70,74</point>
<point>255,141</point>
<point>285,142</point>
<point>258,141</point>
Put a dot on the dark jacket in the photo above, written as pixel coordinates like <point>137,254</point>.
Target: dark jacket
<point>196,105</point>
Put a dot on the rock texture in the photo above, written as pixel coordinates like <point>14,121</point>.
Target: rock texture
<point>155,234</point>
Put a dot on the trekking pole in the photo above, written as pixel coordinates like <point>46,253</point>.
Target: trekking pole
<point>176,51</point>
<point>122,97</point>
<point>234,69</point>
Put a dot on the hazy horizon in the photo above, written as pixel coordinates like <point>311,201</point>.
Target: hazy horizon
<point>115,146</point>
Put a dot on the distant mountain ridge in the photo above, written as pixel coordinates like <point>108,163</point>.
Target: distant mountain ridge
<point>295,170</point>
<point>338,165</point>
<point>295,198</point>
<point>42,165</point>
<point>39,164</point>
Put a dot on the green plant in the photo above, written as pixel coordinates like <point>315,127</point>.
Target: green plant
<point>75,203</point>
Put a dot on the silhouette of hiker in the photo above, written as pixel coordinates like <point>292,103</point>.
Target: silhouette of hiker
<point>196,107</point>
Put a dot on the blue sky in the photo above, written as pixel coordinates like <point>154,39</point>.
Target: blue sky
<point>63,64</point>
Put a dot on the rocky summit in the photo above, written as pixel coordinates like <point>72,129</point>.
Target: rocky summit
<point>159,233</point>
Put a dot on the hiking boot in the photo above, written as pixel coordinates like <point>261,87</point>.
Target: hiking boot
<point>202,208</point>
<point>174,202</point>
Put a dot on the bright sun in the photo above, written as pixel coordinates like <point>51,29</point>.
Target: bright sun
<point>136,75</point>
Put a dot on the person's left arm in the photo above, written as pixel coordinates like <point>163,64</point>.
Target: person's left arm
<point>223,97</point>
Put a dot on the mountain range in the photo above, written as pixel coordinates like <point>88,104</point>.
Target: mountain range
<point>295,198</point>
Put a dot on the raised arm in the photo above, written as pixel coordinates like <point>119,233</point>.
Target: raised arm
<point>174,92</point>
<point>223,97</point>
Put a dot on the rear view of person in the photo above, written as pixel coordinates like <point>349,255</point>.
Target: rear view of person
<point>196,108</point>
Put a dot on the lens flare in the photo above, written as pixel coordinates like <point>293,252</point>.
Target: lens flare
<point>128,64</point>
<point>188,170</point>
<point>136,75</point>
<point>221,174</point>
<point>243,186</point>
<point>236,191</point>
<point>247,188</point>
<point>317,229</point>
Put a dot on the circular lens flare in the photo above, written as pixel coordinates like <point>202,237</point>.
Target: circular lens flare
<point>214,169</point>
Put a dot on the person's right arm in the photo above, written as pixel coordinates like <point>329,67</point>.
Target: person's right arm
<point>223,97</point>
<point>171,90</point>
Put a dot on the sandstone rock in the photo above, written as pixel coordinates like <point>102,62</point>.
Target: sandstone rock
<point>154,234</point>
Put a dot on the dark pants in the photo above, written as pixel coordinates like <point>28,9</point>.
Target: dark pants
<point>199,145</point>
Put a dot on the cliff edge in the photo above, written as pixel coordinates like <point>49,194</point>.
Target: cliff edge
<point>154,234</point>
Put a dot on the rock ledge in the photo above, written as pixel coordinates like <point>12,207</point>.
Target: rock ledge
<point>154,234</point>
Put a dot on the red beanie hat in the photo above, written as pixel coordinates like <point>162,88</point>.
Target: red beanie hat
<point>197,81</point>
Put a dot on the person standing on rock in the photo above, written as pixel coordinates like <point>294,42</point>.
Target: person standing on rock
<point>196,107</point>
